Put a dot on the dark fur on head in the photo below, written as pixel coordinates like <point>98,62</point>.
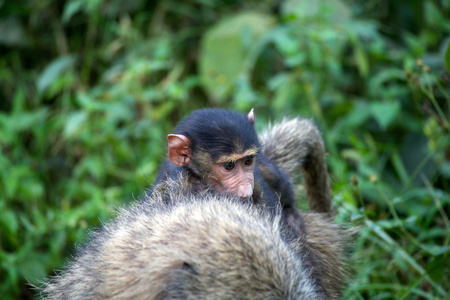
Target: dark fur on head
<point>218,132</point>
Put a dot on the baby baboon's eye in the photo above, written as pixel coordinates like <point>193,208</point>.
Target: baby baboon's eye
<point>249,160</point>
<point>229,165</point>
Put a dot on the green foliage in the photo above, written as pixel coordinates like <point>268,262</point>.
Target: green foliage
<point>89,90</point>
<point>236,37</point>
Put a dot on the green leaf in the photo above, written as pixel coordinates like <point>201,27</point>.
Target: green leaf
<point>434,16</point>
<point>92,165</point>
<point>28,120</point>
<point>71,8</point>
<point>12,33</point>
<point>385,112</point>
<point>400,168</point>
<point>361,61</point>
<point>224,50</point>
<point>286,44</point>
<point>378,82</point>
<point>9,224</point>
<point>53,71</point>
<point>74,123</point>
<point>336,10</point>
<point>33,266</point>
<point>359,114</point>
<point>30,188</point>
<point>447,56</point>
<point>282,96</point>
<point>435,268</point>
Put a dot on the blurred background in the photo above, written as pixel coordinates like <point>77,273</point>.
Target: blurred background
<point>89,89</point>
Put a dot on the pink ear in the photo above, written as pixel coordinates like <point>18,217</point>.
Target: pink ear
<point>251,116</point>
<point>179,149</point>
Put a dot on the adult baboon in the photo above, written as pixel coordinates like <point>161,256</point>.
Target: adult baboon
<point>180,245</point>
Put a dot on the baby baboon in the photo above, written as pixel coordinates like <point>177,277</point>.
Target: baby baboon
<point>178,245</point>
<point>219,149</point>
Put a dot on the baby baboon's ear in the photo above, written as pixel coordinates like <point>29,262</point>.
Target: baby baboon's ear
<point>251,116</point>
<point>179,149</point>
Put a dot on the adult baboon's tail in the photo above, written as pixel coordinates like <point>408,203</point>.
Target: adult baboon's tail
<point>297,144</point>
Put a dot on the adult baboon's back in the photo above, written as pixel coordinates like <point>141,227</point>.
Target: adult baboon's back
<point>181,246</point>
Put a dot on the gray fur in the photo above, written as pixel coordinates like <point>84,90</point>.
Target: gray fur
<point>296,145</point>
<point>184,246</point>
